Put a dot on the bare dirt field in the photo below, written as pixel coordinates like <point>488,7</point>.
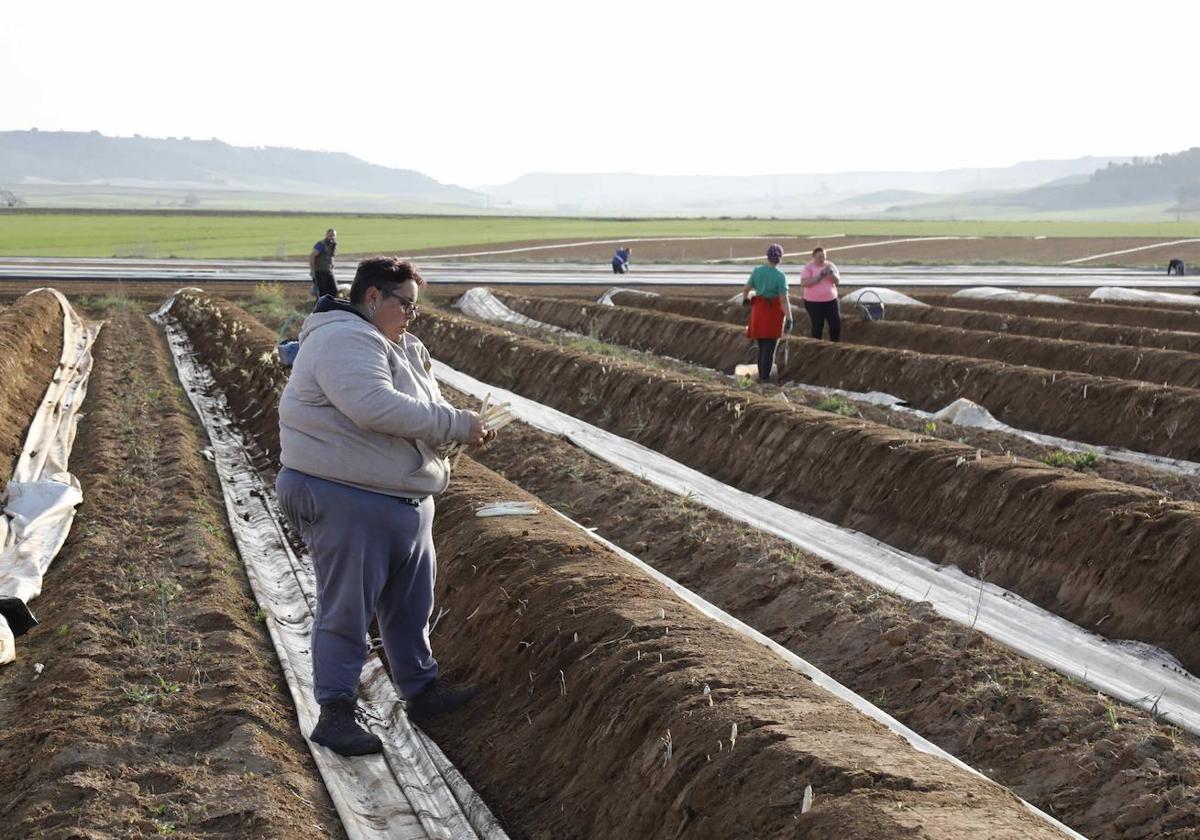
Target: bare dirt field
<point>608,704</point>
<point>854,250</point>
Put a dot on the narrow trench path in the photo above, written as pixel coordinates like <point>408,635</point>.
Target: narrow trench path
<point>161,708</point>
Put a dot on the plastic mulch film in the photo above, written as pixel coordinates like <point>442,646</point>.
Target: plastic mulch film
<point>411,790</point>
<point>39,501</point>
<point>996,293</point>
<point>889,296</point>
<point>481,303</point>
<point>1129,671</point>
<point>1119,294</point>
<point>606,299</point>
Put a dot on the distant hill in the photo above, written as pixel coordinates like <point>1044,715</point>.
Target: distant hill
<point>52,158</point>
<point>764,194</point>
<point>1172,178</point>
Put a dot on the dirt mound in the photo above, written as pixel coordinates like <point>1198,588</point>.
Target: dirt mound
<point>1097,410</point>
<point>1019,524</point>
<point>1094,313</point>
<point>582,655</point>
<point>161,709</point>
<point>31,332</point>
<point>1048,327</point>
<point>241,352</point>
<point>1167,367</point>
<point>1031,729</point>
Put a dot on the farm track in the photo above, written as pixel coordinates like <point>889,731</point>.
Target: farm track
<point>1091,313</point>
<point>1106,769</point>
<point>582,656</point>
<point>161,709</point>
<point>1018,523</point>
<point>1160,366</point>
<point>31,334</point>
<point>1089,409</point>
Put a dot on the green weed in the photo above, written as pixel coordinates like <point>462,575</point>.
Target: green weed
<point>1078,461</point>
<point>836,404</point>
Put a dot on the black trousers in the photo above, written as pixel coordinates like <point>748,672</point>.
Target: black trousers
<point>819,313</point>
<point>766,357</point>
<point>326,285</point>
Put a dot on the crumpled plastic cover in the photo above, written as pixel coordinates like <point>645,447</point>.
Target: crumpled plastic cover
<point>1119,293</point>
<point>606,299</point>
<point>481,303</point>
<point>888,296</point>
<point>996,293</point>
<point>40,499</point>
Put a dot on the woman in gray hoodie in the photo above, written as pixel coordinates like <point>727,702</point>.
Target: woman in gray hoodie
<point>360,422</point>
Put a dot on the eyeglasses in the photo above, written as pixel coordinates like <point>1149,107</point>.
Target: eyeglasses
<point>409,306</point>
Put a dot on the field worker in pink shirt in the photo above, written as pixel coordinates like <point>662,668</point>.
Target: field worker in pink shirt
<point>820,280</point>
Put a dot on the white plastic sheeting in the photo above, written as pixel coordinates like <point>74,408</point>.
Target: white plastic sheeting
<point>410,792</point>
<point>1119,294</point>
<point>606,299</point>
<point>1132,672</point>
<point>819,677</point>
<point>996,293</point>
<point>39,501</point>
<point>481,303</point>
<point>888,296</point>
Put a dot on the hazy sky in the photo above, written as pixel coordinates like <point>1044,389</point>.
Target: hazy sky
<point>480,92</point>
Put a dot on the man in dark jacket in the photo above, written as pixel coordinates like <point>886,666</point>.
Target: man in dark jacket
<point>320,264</point>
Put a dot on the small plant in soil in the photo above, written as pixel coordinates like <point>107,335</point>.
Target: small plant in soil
<point>139,694</point>
<point>1112,717</point>
<point>1078,461</point>
<point>930,427</point>
<point>836,405</point>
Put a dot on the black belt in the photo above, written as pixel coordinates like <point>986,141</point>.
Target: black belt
<point>410,502</point>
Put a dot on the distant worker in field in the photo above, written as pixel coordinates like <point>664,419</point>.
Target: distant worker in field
<point>320,264</point>
<point>820,280</point>
<point>770,309</point>
<point>620,260</point>
<point>1177,268</point>
<point>360,421</point>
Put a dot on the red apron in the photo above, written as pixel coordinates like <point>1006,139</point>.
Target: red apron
<point>766,317</point>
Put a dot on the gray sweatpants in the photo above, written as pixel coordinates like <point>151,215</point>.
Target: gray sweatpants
<point>373,556</point>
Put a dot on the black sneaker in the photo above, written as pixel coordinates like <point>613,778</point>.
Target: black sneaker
<point>339,730</point>
<point>438,699</point>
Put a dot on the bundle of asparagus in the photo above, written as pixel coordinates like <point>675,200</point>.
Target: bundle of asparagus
<point>495,418</point>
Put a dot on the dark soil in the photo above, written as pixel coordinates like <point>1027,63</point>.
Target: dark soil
<point>1045,327</point>
<point>1169,485</point>
<point>581,656</point>
<point>1176,318</point>
<point>1091,409</point>
<point>161,709</point>
<point>1024,725</point>
<point>1092,551</point>
<point>31,333</point>
<point>1160,366</point>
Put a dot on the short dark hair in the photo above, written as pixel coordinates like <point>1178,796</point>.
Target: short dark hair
<point>818,248</point>
<point>383,273</point>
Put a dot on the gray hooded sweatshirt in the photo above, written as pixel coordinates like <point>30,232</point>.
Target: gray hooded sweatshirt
<point>362,410</point>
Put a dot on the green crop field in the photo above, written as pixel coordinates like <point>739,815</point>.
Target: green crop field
<point>279,235</point>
